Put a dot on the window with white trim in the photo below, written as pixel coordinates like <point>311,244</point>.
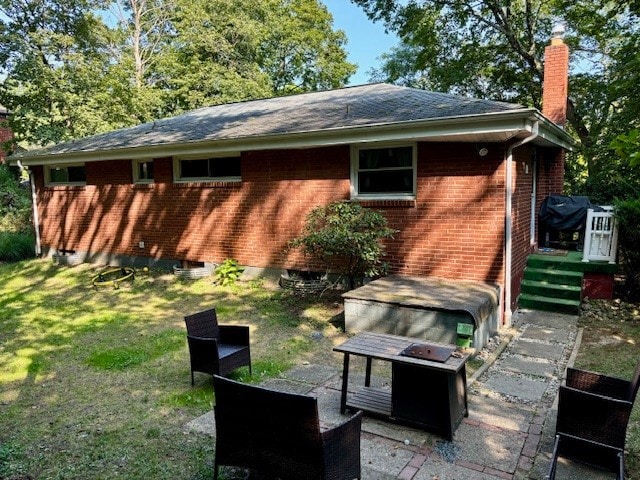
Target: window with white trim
<point>386,172</point>
<point>142,171</point>
<point>65,174</point>
<point>207,169</point>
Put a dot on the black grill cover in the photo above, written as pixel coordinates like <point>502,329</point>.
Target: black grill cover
<point>565,213</point>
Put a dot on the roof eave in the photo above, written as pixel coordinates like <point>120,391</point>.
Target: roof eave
<point>503,124</point>
<point>554,134</point>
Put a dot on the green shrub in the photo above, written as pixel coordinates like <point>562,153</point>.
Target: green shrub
<point>15,246</point>
<point>228,272</point>
<point>347,238</point>
<point>15,202</point>
<point>628,215</point>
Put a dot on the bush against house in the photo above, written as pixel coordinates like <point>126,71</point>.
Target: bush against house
<point>16,230</point>
<point>347,238</point>
<point>15,201</point>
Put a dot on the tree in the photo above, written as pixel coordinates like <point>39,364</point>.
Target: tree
<point>627,146</point>
<point>145,24</point>
<point>212,58</point>
<point>137,43</point>
<point>494,49</point>
<point>628,216</point>
<point>71,68</point>
<point>55,70</point>
<point>346,237</point>
<point>301,51</point>
<point>229,51</point>
<point>620,179</point>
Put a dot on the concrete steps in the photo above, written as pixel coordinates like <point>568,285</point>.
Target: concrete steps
<point>553,290</point>
<point>549,304</point>
<point>553,276</point>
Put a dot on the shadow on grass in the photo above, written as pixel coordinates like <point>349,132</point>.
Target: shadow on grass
<point>96,380</point>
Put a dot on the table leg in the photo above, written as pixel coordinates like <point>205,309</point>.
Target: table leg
<point>367,377</point>
<point>464,379</point>
<point>345,383</point>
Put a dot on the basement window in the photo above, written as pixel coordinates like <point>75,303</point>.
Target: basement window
<point>226,169</point>
<point>142,171</point>
<point>67,174</point>
<point>386,172</point>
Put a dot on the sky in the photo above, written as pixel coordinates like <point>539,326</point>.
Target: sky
<point>366,40</point>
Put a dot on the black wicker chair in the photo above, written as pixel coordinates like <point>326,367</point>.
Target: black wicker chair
<point>593,414</point>
<point>277,434</point>
<point>216,349</point>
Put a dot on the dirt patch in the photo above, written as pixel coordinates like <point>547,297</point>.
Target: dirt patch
<point>608,324</point>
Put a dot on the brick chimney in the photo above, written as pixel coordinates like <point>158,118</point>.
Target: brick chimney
<point>555,86</point>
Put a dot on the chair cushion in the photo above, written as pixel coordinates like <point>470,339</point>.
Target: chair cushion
<point>225,350</point>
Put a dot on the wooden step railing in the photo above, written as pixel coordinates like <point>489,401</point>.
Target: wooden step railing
<point>601,236</point>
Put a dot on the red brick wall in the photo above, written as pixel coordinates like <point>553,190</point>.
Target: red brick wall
<point>251,221</point>
<point>523,174</point>
<point>5,135</point>
<point>454,229</point>
<point>550,176</point>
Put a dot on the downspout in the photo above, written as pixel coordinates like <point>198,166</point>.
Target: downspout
<point>508,221</point>
<point>36,218</point>
<point>534,197</point>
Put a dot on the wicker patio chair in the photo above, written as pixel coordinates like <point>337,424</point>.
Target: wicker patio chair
<point>216,349</point>
<point>277,434</point>
<point>593,414</point>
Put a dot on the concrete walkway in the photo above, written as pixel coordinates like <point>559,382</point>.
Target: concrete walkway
<point>512,411</point>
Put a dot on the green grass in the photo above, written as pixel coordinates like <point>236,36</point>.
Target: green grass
<point>95,383</point>
<point>133,353</point>
<point>610,346</point>
<point>9,455</point>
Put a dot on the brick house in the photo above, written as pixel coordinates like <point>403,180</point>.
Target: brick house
<point>6,133</point>
<point>460,178</point>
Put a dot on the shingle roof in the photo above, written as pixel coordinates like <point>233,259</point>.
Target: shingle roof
<point>374,104</point>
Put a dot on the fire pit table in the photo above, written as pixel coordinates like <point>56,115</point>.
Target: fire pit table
<point>428,387</point>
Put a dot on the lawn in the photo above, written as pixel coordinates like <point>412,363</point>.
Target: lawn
<point>96,383</point>
<point>611,345</point>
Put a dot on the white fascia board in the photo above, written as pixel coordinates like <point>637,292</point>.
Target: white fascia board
<point>555,134</point>
<point>510,123</point>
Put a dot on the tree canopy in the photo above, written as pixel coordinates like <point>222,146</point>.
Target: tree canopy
<point>71,68</point>
<point>495,48</point>
<point>50,58</point>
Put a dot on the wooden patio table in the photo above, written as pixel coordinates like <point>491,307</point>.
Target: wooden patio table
<point>428,394</point>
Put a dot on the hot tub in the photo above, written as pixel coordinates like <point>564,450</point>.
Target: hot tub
<point>425,308</point>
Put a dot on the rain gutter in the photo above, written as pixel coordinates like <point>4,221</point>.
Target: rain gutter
<point>503,125</point>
